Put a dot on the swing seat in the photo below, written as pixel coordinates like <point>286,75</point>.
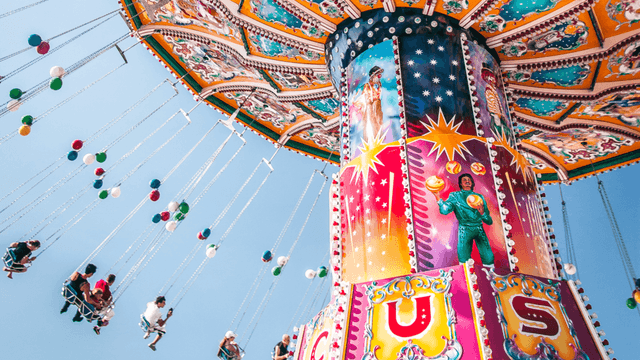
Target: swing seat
<point>225,354</point>
<point>145,326</point>
<point>10,262</point>
<point>87,310</point>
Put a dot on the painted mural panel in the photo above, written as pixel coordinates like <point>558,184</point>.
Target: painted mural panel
<point>618,16</point>
<point>623,64</point>
<point>317,335</point>
<point>549,109</point>
<point>374,116</point>
<point>271,12</point>
<point>433,79</point>
<point>266,108</point>
<point>454,201</point>
<point>492,101</point>
<point>581,144</point>
<point>421,316</point>
<point>373,222</point>
<point>523,212</point>
<point>570,76</point>
<point>624,107</point>
<point>508,14</point>
<point>536,319</point>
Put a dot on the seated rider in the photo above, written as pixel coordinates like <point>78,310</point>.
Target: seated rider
<point>154,318</point>
<point>79,283</point>
<point>21,252</point>
<point>228,347</point>
<point>106,312</point>
<point>282,351</point>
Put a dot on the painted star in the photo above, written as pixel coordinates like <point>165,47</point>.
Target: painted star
<point>454,62</point>
<point>440,48</point>
<point>383,237</point>
<point>368,222</point>
<point>357,207</point>
<point>410,62</point>
<point>452,77</point>
<point>438,98</point>
<point>383,182</point>
<point>353,218</point>
<point>384,221</point>
<point>449,93</point>
<point>366,197</point>
<point>445,137</point>
<point>351,199</point>
<point>384,205</point>
<point>426,93</point>
<point>431,42</point>
<point>378,199</point>
<point>367,211</point>
<point>433,62</point>
<point>436,80</point>
<point>418,52</point>
<point>416,75</point>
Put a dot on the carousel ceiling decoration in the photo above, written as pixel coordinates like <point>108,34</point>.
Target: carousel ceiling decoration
<point>571,69</point>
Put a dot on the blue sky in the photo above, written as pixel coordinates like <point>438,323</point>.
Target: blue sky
<point>29,304</point>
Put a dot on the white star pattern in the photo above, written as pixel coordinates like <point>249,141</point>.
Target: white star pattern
<point>440,48</point>
<point>438,98</point>
<point>357,207</point>
<point>383,237</point>
<point>410,62</point>
<point>452,77</point>
<point>418,52</point>
<point>351,199</point>
<point>378,199</point>
<point>449,93</point>
<point>416,75</point>
<point>383,182</point>
<point>384,221</point>
<point>433,62</point>
<point>455,63</point>
<point>368,222</point>
<point>369,234</point>
<point>426,93</point>
<point>431,42</point>
<point>353,218</point>
<point>367,211</point>
<point>366,197</point>
<point>436,80</point>
<point>384,205</point>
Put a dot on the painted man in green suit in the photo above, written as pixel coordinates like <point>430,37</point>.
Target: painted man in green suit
<point>470,218</point>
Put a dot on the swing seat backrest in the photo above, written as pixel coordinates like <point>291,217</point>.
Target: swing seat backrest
<point>145,325</point>
<point>87,310</point>
<point>224,354</point>
<point>9,258</point>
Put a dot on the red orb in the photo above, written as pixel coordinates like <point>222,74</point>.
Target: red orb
<point>77,144</point>
<point>99,171</point>
<point>43,48</point>
<point>165,215</point>
<point>154,195</point>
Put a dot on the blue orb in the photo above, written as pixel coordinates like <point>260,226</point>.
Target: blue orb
<point>206,232</point>
<point>34,40</point>
<point>267,256</point>
<point>156,218</point>
<point>72,155</point>
<point>155,183</point>
<point>97,184</point>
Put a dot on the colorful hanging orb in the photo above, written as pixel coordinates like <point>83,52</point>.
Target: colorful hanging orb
<point>24,130</point>
<point>178,216</point>
<point>171,226</point>
<point>43,48</point>
<point>115,192</point>
<point>34,40</point>
<point>631,304</point>
<point>154,184</point>
<point>570,269</point>
<point>267,256</point>
<point>184,207</point>
<point>322,271</point>
<point>204,234</point>
<point>14,105</point>
<point>97,184</point>
<point>27,120</point>
<point>15,93</point>
<point>88,159</point>
<point>478,169</point>
<point>282,260</point>
<point>636,296</point>
<point>453,167</point>
<point>99,172</point>
<point>173,206</point>
<point>101,157</point>
<point>56,71</point>
<point>276,271</point>
<point>154,195</point>
<point>310,274</point>
<point>72,155</point>
<point>103,194</point>
<point>165,215</point>
<point>77,144</point>
<point>55,84</point>
<point>156,218</point>
<point>211,251</point>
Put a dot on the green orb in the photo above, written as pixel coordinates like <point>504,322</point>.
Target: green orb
<point>631,303</point>
<point>184,207</point>
<point>15,93</point>
<point>101,157</point>
<point>276,271</point>
<point>55,83</point>
<point>27,120</point>
<point>178,216</point>
<point>103,194</point>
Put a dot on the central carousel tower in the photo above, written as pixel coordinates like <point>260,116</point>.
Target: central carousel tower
<point>443,116</point>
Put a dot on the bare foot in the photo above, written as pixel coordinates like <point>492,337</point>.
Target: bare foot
<point>10,275</point>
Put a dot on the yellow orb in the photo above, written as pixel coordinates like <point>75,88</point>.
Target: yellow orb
<point>24,130</point>
<point>636,296</point>
<point>434,183</point>
<point>453,167</point>
<point>478,169</point>
<point>474,201</point>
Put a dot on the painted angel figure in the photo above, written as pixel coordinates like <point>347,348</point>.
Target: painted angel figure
<point>369,105</point>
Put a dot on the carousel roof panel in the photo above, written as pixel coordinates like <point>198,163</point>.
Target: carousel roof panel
<point>571,68</point>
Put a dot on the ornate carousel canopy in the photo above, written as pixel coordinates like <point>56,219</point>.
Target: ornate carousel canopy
<point>570,68</point>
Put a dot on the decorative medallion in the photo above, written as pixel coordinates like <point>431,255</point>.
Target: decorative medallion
<point>581,144</point>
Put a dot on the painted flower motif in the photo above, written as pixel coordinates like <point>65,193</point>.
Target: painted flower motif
<point>516,48</point>
<point>492,23</point>
<point>369,3</point>
<point>624,12</point>
<point>455,6</point>
<point>330,9</point>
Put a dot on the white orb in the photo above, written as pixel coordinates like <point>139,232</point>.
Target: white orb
<point>211,250</point>
<point>171,225</point>
<point>89,159</point>
<point>282,261</point>
<point>56,71</point>
<point>173,206</point>
<point>570,269</point>
<point>115,192</point>
<point>14,105</point>
<point>310,274</point>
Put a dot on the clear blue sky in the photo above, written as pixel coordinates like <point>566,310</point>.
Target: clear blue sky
<point>29,305</point>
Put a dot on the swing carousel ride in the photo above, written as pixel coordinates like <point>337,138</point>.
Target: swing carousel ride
<point>445,119</point>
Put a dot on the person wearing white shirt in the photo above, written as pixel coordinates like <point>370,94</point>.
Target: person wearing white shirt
<point>154,317</point>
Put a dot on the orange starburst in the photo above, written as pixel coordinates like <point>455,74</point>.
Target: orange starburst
<point>367,160</point>
<point>521,163</point>
<point>445,137</point>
